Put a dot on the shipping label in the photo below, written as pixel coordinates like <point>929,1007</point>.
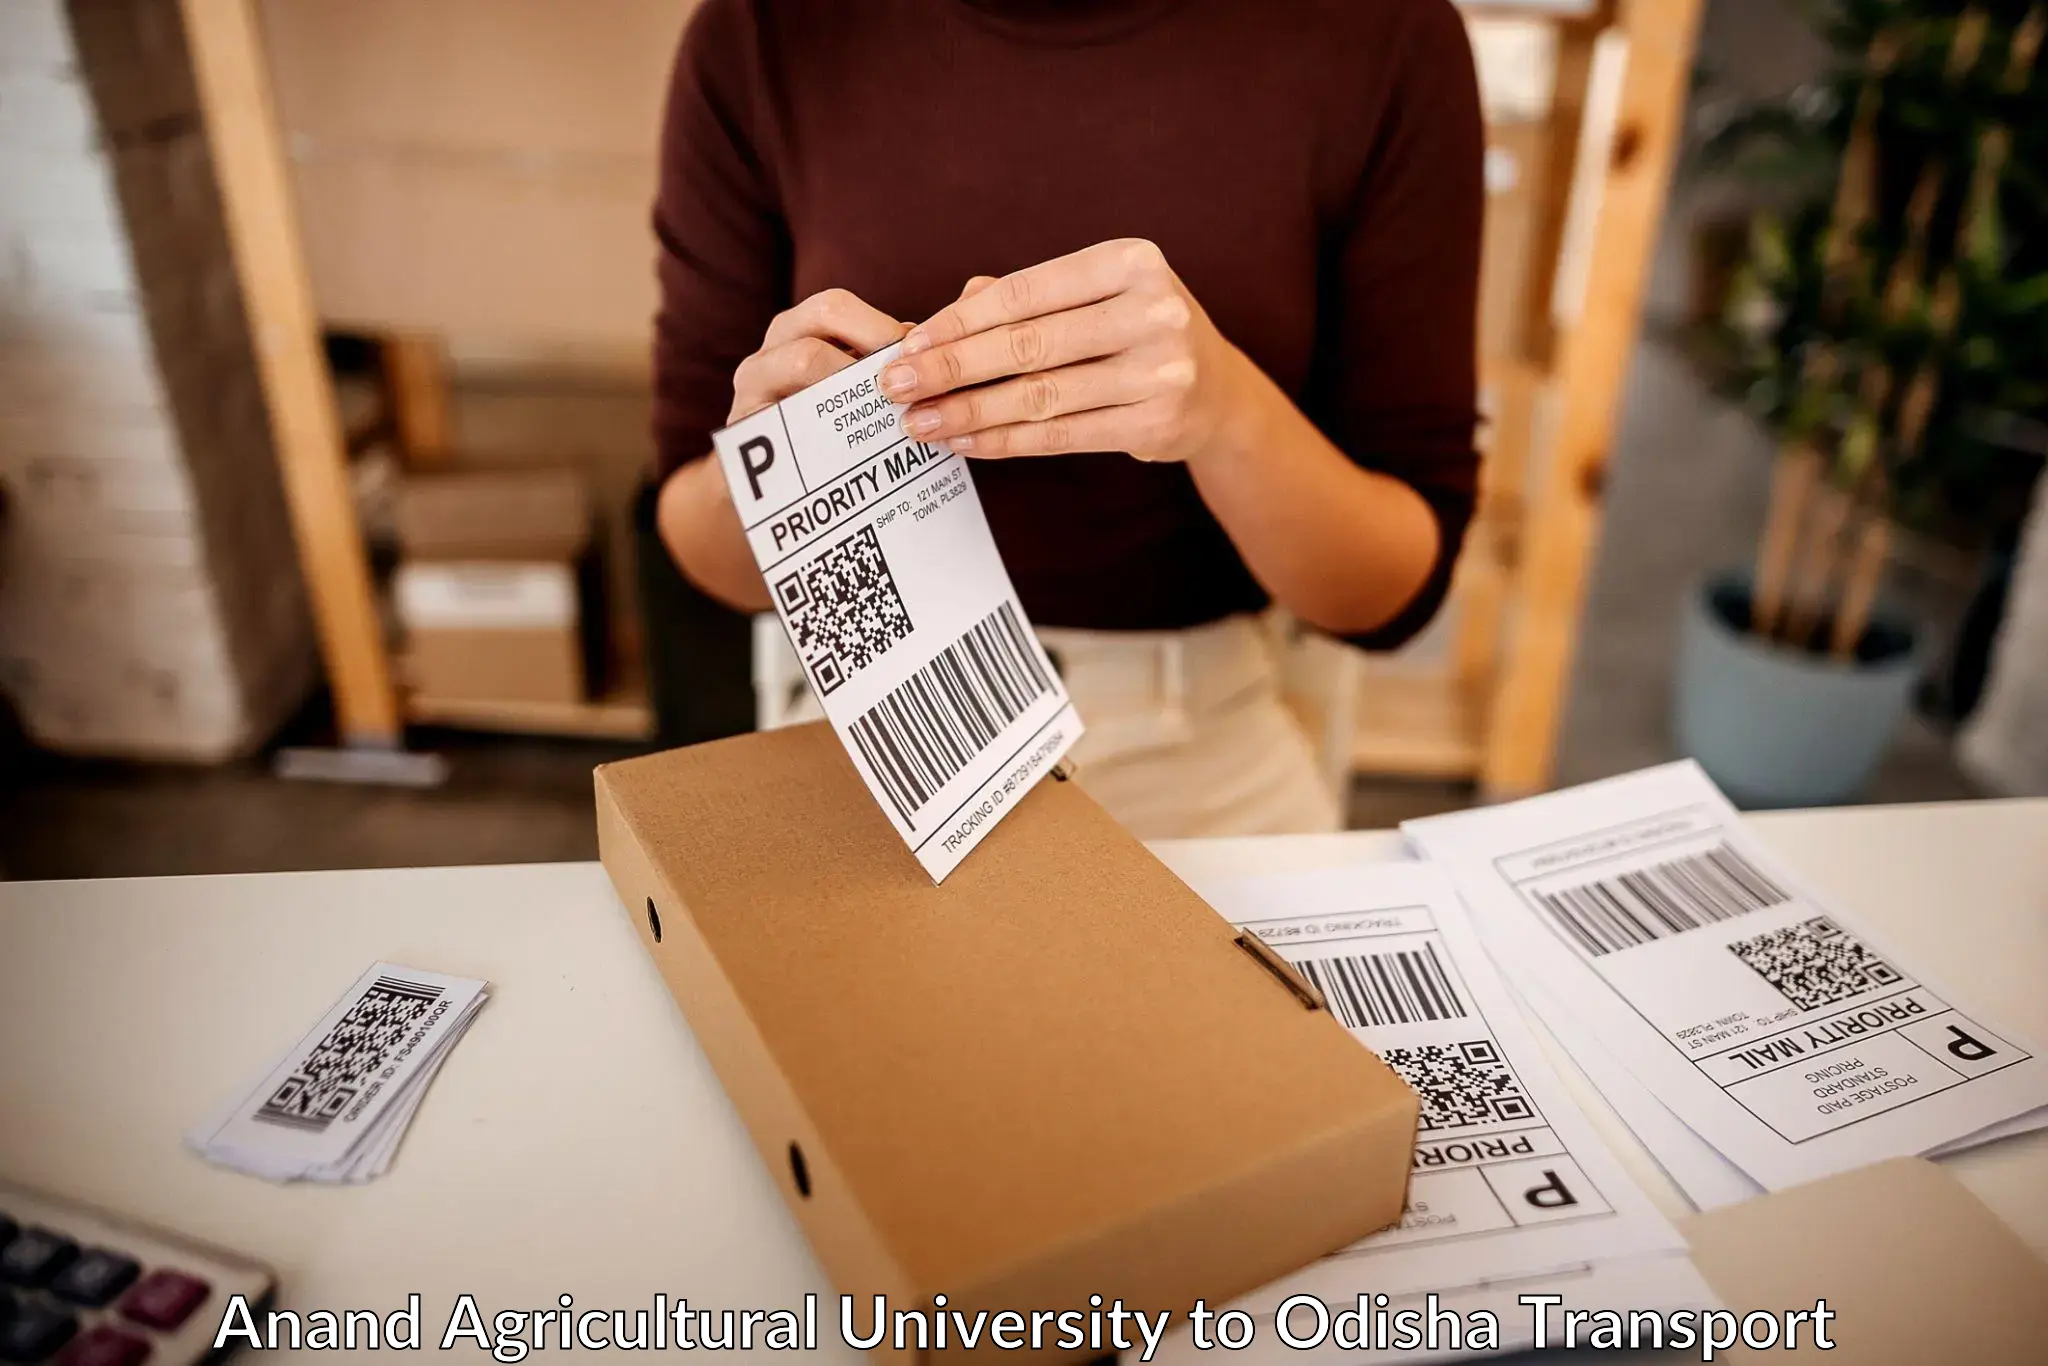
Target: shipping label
<point>886,577</point>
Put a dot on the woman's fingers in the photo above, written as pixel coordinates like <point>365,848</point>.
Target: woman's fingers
<point>1140,428</point>
<point>1085,333</point>
<point>839,316</point>
<point>1053,286</point>
<point>776,371</point>
<point>1031,398</point>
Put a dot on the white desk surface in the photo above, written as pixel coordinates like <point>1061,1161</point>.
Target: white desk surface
<point>577,1140</point>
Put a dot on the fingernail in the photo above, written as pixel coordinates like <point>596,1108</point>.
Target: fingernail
<point>899,379</point>
<point>923,420</point>
<point>962,442</point>
<point>915,341</point>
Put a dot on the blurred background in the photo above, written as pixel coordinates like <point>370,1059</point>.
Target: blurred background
<point>325,537</point>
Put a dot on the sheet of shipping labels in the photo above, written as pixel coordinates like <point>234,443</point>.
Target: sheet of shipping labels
<point>1509,1177</point>
<point>1767,1020</point>
<point>884,573</point>
<point>1705,1178</point>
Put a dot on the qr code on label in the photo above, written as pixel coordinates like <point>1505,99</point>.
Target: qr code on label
<point>359,1046</point>
<point>1815,963</point>
<point>1462,1085</point>
<point>843,609</point>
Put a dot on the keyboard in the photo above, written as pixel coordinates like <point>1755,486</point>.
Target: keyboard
<point>82,1288</point>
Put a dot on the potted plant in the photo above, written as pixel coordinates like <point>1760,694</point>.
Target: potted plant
<point>1893,309</point>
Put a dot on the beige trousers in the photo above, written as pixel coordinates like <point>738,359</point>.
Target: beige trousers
<point>1187,731</point>
<point>1188,734</point>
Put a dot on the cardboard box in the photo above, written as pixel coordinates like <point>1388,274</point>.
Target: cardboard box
<point>501,593</point>
<point>494,515</point>
<point>506,632</point>
<point>1056,1074</point>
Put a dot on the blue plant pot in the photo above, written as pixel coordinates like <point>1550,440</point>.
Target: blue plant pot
<point>1778,726</point>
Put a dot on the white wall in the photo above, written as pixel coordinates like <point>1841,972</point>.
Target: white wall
<point>121,627</point>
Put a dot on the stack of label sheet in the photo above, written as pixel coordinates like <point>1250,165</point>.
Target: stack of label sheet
<point>1750,1035</point>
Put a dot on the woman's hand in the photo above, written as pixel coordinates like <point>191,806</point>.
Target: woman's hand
<point>1102,350</point>
<point>818,337</point>
<point>824,334</point>
<point>1105,350</point>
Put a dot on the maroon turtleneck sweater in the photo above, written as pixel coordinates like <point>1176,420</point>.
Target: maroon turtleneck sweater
<point>1311,168</point>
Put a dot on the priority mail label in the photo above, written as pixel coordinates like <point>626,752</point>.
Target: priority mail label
<point>885,575</point>
<point>1509,1178</point>
<point>1760,1014</point>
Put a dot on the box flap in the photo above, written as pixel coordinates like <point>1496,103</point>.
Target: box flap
<point>1915,1268</point>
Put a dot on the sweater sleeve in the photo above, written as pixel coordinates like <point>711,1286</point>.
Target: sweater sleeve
<point>723,244</point>
<point>1395,384</point>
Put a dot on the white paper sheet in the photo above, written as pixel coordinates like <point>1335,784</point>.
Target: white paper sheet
<point>335,1105</point>
<point>884,573</point>
<point>1509,1176</point>
<point>1772,1024</point>
<point>1705,1178</point>
<point>1992,1133</point>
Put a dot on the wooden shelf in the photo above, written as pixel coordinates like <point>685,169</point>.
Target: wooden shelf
<point>622,715</point>
<point>1621,72</point>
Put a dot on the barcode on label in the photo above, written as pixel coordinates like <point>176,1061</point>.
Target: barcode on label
<point>942,717</point>
<point>1661,900</point>
<point>1400,987</point>
<point>361,1044</point>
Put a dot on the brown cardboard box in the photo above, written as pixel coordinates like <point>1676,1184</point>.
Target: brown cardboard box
<point>492,632</point>
<point>520,515</point>
<point>501,589</point>
<point>1055,1074</point>
<point>1915,1268</point>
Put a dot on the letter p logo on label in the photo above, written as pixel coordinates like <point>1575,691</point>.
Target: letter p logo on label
<point>1550,1193</point>
<point>1541,1190</point>
<point>1967,1046</point>
<point>757,454</point>
<point>1962,1045</point>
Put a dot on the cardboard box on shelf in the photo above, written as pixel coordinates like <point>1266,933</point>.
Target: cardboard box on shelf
<point>539,514</point>
<point>1057,1074</point>
<point>501,592</point>
<point>506,632</point>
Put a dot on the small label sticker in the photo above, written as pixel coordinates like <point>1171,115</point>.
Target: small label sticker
<point>882,569</point>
